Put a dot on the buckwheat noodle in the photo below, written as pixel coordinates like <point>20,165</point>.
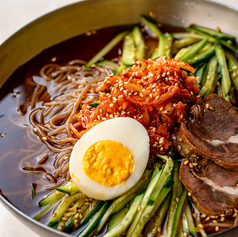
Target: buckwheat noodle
<point>59,93</point>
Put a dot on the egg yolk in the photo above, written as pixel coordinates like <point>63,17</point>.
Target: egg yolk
<point>107,162</point>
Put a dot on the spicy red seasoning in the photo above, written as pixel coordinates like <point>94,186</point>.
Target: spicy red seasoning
<point>157,93</point>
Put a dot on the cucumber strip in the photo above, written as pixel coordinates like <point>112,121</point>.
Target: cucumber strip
<point>225,77</point>
<point>228,98</point>
<point>33,191</point>
<point>152,27</point>
<point>86,210</point>
<point>68,189</point>
<point>198,222</point>
<point>128,218</point>
<point>164,46</point>
<point>145,200</point>
<point>117,218</point>
<point>158,198</point>
<point>176,179</point>
<point>214,39</point>
<point>178,213</point>
<point>181,52</point>
<point>139,187</point>
<point>95,221</point>
<point>181,231</point>
<point>98,206</point>
<point>53,197</point>
<point>201,74</point>
<point>108,64</point>
<point>45,210</point>
<point>207,46</point>
<point>196,35</point>
<point>58,213</point>
<point>202,57</point>
<point>129,51</point>
<point>189,218</point>
<point>151,228</point>
<point>193,50</point>
<point>61,225</point>
<point>178,44</point>
<point>229,46</point>
<point>233,69</point>
<point>158,181</point>
<point>95,104</point>
<point>139,43</point>
<point>176,193</point>
<point>123,203</point>
<point>214,33</point>
<point>70,224</point>
<point>107,48</point>
<point>120,69</point>
<point>211,80</point>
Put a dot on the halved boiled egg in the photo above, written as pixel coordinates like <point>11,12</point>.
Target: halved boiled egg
<point>110,158</point>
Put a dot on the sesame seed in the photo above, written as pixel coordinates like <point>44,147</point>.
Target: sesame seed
<point>207,106</point>
<point>44,138</point>
<point>186,162</point>
<point>60,228</point>
<point>87,203</point>
<point>3,134</point>
<point>217,228</point>
<point>139,208</point>
<point>53,59</point>
<point>177,199</point>
<point>191,165</point>
<point>208,218</point>
<point>151,14</point>
<point>189,194</point>
<point>203,215</point>
<point>179,147</point>
<point>200,225</point>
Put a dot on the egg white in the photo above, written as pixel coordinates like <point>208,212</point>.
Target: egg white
<point>125,130</point>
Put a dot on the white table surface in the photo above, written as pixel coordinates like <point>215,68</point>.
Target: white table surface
<point>13,15</point>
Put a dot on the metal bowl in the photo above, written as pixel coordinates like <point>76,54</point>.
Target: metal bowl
<point>81,17</point>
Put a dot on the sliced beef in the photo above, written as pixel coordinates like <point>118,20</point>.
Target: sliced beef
<point>213,188</point>
<point>211,131</point>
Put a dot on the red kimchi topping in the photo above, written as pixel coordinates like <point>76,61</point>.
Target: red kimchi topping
<point>157,93</point>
